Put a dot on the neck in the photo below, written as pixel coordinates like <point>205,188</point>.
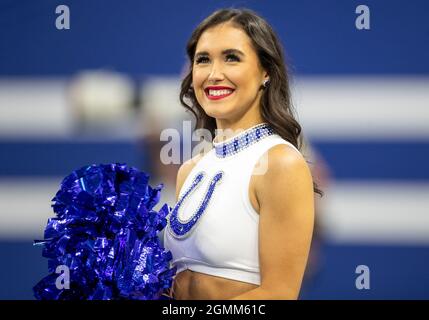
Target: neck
<point>227,128</point>
<point>226,131</point>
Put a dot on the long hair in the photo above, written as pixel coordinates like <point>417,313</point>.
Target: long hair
<point>275,105</point>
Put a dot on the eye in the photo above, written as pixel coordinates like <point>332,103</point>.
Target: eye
<point>233,57</point>
<point>229,58</point>
<point>201,59</point>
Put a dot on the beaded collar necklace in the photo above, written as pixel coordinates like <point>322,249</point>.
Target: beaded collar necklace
<point>243,140</point>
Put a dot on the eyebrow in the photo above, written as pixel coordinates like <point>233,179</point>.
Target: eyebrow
<point>224,52</point>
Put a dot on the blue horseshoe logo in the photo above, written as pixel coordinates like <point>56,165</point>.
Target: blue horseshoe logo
<point>181,228</point>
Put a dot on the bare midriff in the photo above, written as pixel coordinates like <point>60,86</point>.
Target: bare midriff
<point>191,285</point>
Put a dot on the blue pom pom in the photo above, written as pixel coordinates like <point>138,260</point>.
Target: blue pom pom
<point>105,233</point>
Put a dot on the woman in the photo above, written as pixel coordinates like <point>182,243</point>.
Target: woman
<point>243,222</point>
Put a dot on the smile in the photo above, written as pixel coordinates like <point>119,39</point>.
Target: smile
<point>218,94</point>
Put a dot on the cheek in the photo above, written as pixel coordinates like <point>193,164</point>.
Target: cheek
<point>198,77</point>
<point>198,81</point>
<point>243,78</point>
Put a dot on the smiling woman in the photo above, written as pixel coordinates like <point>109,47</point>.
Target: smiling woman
<point>225,60</point>
<point>243,221</point>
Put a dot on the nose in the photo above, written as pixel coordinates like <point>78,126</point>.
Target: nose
<point>216,73</point>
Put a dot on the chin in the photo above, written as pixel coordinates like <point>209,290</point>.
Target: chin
<point>217,112</point>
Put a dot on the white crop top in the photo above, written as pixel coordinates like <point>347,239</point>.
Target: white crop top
<point>213,228</point>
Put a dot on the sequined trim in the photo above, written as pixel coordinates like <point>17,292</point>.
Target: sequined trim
<point>243,140</point>
<point>179,228</point>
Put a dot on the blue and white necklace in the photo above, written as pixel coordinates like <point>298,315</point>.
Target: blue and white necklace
<point>179,228</point>
<point>242,140</point>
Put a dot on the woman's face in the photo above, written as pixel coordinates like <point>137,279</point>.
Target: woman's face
<point>227,75</point>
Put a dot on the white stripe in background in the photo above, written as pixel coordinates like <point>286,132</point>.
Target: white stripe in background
<point>329,107</point>
<point>351,212</point>
<point>34,106</point>
<point>378,212</point>
<point>332,108</point>
<point>25,206</point>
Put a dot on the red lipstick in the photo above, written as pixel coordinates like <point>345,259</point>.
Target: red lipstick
<point>218,97</point>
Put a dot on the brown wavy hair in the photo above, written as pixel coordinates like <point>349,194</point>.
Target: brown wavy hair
<point>276,105</point>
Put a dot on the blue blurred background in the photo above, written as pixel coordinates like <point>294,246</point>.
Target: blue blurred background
<point>103,90</point>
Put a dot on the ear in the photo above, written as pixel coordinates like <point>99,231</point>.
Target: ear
<point>266,76</point>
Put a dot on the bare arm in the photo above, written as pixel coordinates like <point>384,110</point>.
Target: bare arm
<point>286,217</point>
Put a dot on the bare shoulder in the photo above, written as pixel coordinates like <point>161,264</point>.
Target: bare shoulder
<point>283,157</point>
<point>287,170</point>
<point>184,171</point>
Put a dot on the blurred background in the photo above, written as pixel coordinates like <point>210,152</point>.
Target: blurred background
<point>104,89</point>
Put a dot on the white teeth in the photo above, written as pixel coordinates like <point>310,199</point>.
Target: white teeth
<point>219,92</point>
